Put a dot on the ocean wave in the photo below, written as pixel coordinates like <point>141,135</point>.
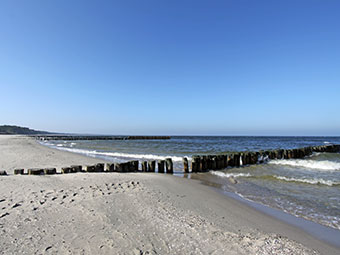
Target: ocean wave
<point>316,181</point>
<point>228,175</point>
<point>309,181</point>
<point>324,165</point>
<point>121,155</point>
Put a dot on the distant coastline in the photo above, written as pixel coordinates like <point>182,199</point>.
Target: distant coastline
<point>17,130</point>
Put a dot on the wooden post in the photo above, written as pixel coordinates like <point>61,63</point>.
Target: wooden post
<point>129,167</point>
<point>201,164</point>
<point>195,164</point>
<point>237,159</point>
<point>169,166</point>
<point>273,154</point>
<point>225,161</point>
<point>310,151</point>
<point>135,165</point>
<point>35,171</point>
<point>185,165</point>
<point>231,160</point>
<point>49,171</point>
<point>125,167</point>
<point>205,163</point>
<point>152,166</point>
<point>254,158</point>
<point>246,159</point>
<point>110,167</point>
<point>18,171</point>
<point>209,162</point>
<point>289,154</point>
<point>67,170</point>
<point>160,164</point>
<point>119,167</point>
<point>285,154</point>
<point>221,161</point>
<point>99,167</point>
<point>89,169</point>
<point>76,168</point>
<point>218,162</point>
<point>214,163</point>
<point>197,160</point>
<point>144,166</point>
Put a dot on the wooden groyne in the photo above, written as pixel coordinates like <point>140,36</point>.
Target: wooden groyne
<point>78,137</point>
<point>202,163</point>
<point>125,167</point>
<point>199,163</point>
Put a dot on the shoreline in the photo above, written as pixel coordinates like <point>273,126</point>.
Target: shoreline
<point>321,232</point>
<point>236,222</point>
<point>318,230</point>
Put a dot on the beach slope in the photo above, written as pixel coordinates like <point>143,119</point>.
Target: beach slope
<point>132,213</point>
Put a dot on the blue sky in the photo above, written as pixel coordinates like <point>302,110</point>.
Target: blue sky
<point>171,67</point>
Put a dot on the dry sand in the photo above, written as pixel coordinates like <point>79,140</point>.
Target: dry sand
<point>137,213</point>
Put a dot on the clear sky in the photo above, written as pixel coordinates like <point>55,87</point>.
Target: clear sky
<point>171,67</point>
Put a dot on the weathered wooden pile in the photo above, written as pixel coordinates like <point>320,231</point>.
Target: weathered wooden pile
<point>199,163</point>
<point>216,162</point>
<point>126,167</point>
<point>79,137</point>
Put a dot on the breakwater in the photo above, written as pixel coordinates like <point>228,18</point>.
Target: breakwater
<point>199,163</point>
<point>126,167</point>
<point>78,137</point>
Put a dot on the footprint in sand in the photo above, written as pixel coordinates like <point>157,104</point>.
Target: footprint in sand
<point>16,205</point>
<point>4,215</point>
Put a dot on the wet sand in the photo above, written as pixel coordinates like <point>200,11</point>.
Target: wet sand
<point>131,213</point>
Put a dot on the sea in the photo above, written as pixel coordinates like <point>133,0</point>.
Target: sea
<point>308,188</point>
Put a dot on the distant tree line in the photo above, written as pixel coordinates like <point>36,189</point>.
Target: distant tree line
<point>16,130</point>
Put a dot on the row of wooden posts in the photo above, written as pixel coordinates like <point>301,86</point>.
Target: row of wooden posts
<point>130,166</point>
<point>199,163</point>
<point>217,162</point>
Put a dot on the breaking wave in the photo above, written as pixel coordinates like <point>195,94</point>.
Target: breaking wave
<point>94,153</point>
<point>325,165</point>
<point>228,175</point>
<point>316,181</point>
<point>309,181</point>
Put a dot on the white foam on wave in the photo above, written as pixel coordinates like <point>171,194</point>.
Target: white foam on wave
<point>324,165</point>
<point>121,155</point>
<point>228,175</point>
<point>309,181</point>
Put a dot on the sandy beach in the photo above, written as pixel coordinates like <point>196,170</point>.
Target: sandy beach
<point>131,213</point>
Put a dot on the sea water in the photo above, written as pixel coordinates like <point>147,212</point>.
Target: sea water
<point>308,188</point>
